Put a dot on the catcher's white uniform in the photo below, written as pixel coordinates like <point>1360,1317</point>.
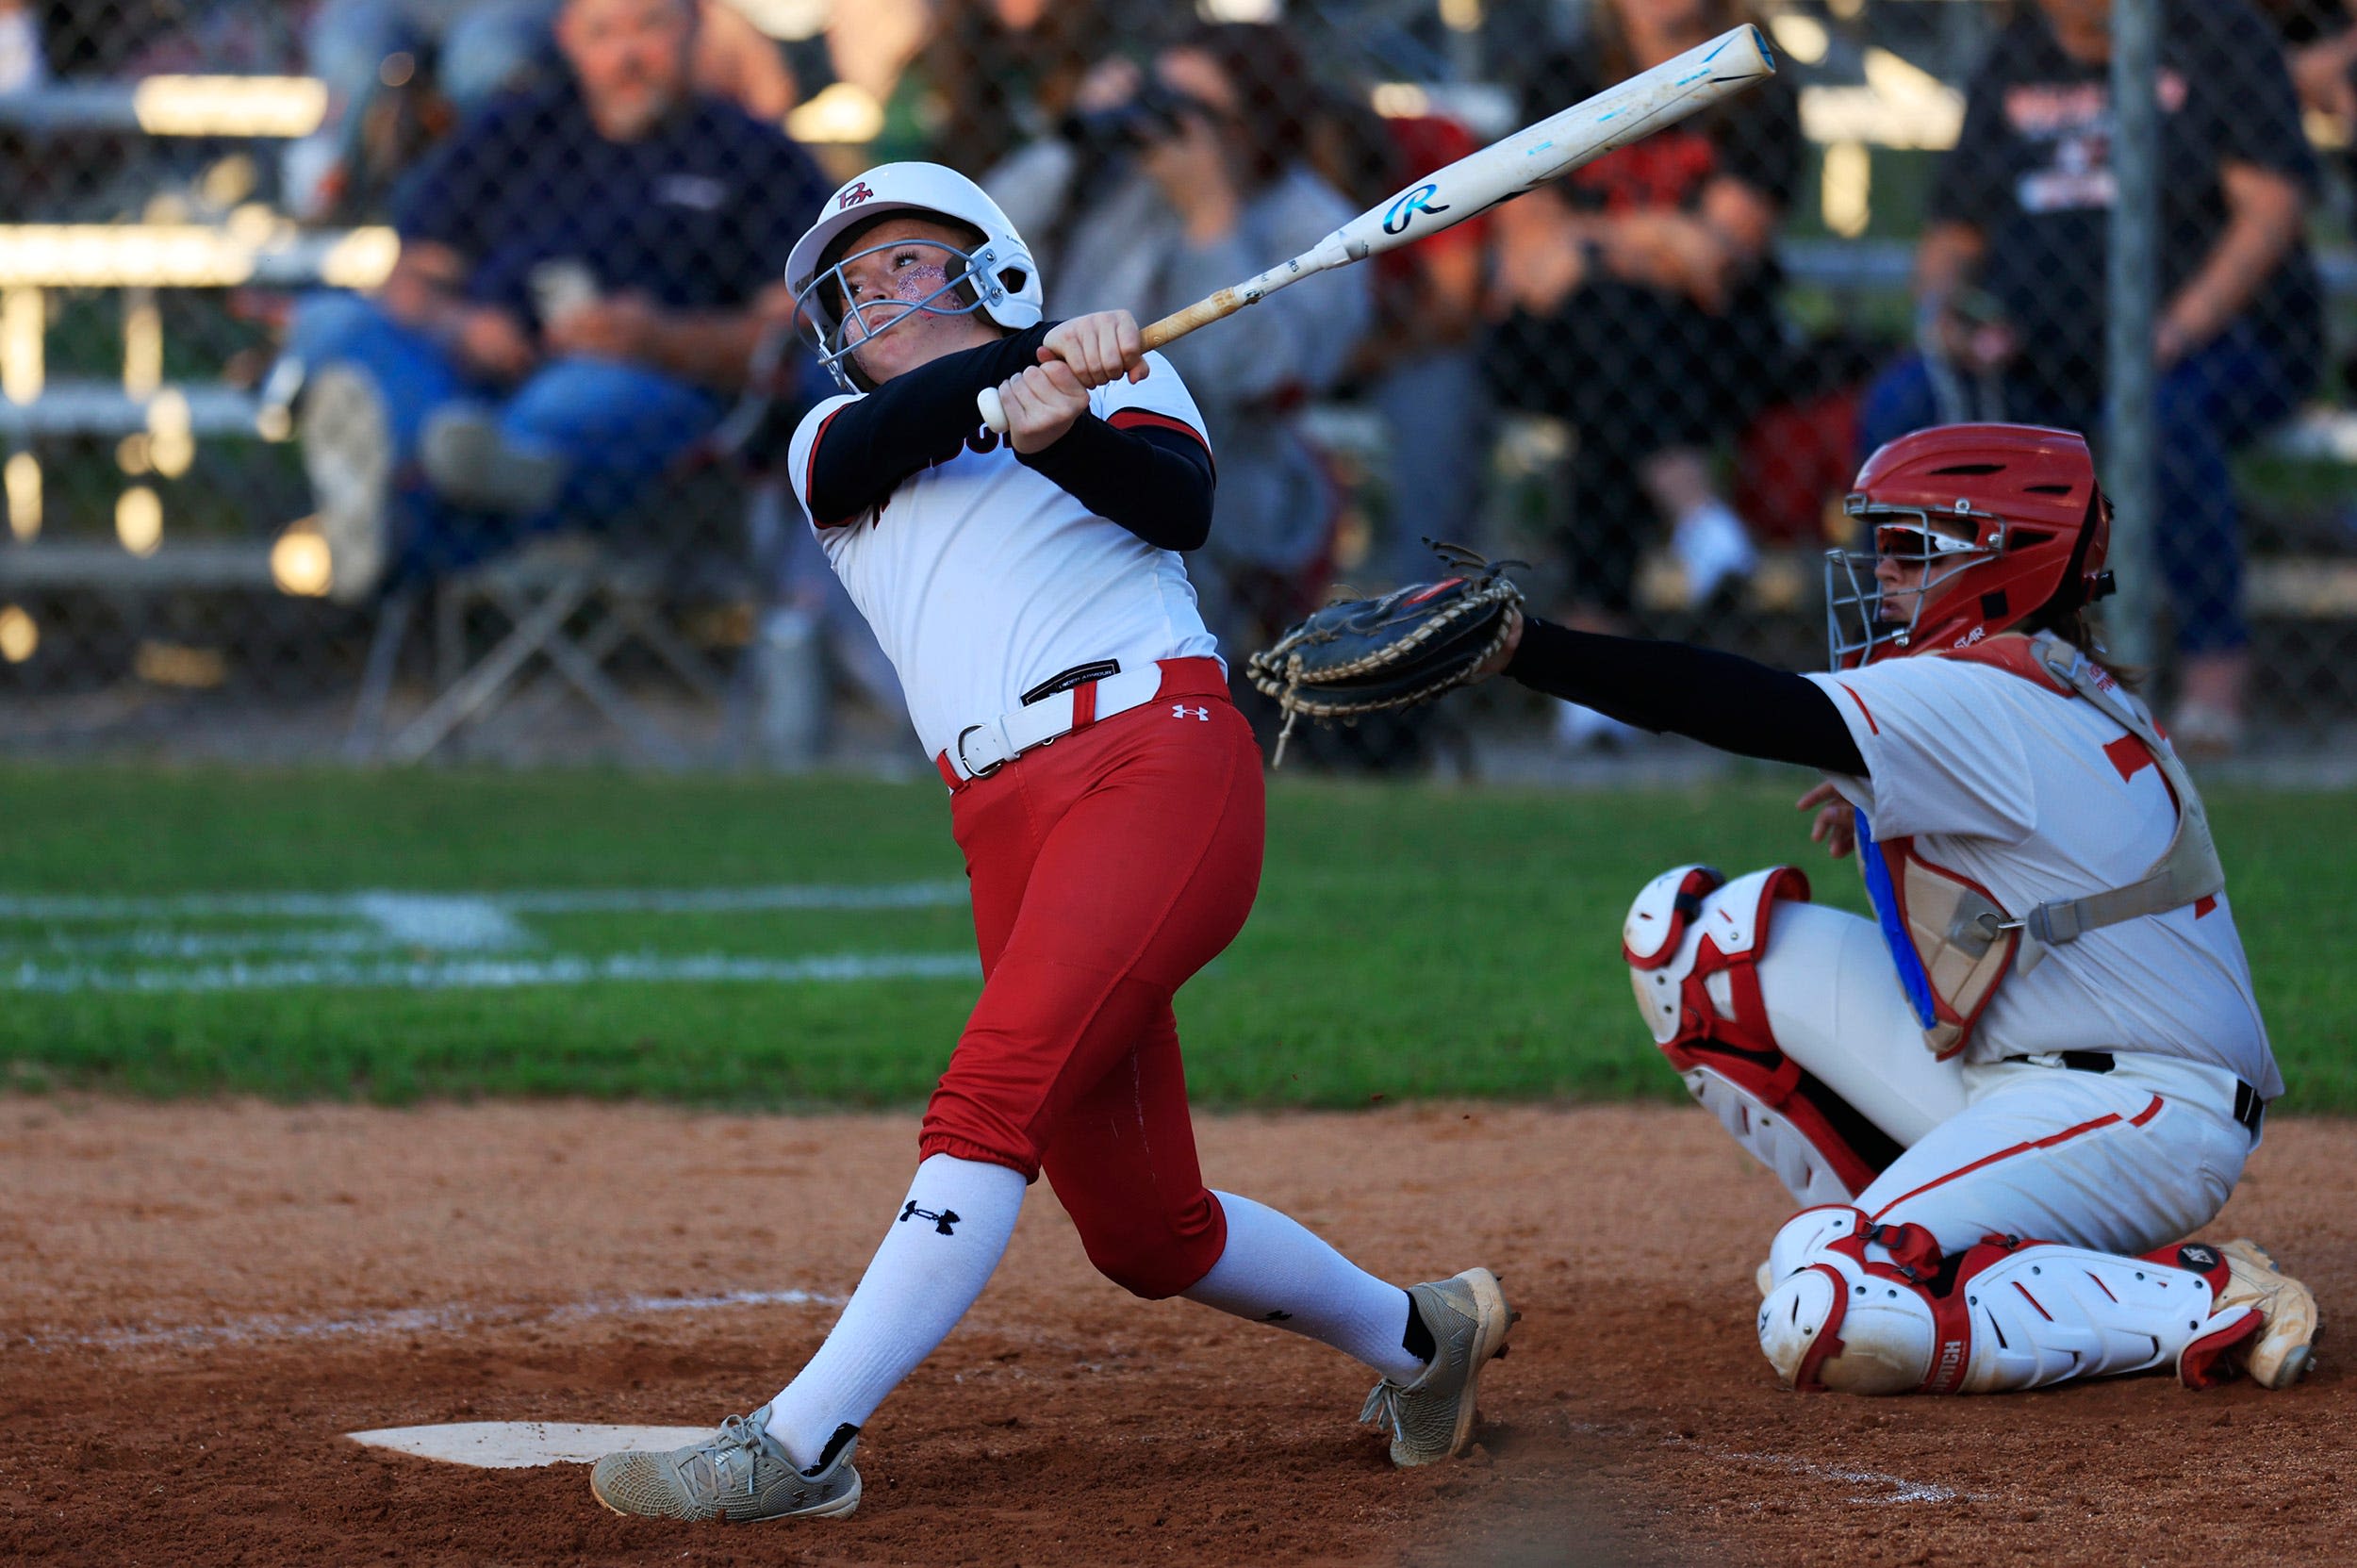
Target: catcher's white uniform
<point>2035,794</point>
<point>2105,1098</point>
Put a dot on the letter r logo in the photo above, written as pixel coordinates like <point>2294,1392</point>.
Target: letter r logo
<point>1403,211</point>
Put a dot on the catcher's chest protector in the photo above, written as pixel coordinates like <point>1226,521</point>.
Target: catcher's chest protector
<point>1952,943</point>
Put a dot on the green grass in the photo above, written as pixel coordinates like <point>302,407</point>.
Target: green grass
<point>1407,942</point>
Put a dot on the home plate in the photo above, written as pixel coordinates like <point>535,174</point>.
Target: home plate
<point>521,1445</point>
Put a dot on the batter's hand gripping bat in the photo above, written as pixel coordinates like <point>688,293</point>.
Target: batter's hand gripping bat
<point>1474,184</point>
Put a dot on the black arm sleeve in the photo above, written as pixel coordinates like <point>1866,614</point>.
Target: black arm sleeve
<point>1156,483</point>
<point>908,423</point>
<point>1723,700</point>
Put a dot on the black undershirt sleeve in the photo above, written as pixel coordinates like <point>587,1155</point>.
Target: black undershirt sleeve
<point>909,423</point>
<point>1156,483</point>
<point>1723,700</point>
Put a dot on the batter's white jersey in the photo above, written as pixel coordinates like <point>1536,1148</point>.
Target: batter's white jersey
<point>983,578</point>
<point>2037,796</point>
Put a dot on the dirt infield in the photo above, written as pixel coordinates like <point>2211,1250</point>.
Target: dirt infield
<point>200,1299</point>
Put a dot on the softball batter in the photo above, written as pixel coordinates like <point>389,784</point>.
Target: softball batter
<point>2008,1101</point>
<point>1108,799</point>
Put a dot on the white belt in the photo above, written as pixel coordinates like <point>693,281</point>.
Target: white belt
<point>981,750</point>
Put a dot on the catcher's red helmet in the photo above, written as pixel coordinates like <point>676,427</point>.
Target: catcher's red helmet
<point>2007,519</point>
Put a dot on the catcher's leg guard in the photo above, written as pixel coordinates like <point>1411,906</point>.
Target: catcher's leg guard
<point>1868,1309</point>
<point>1693,941</point>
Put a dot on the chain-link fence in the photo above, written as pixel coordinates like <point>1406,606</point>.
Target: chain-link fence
<point>403,378</point>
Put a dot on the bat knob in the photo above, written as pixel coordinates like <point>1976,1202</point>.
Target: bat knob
<point>993,410</point>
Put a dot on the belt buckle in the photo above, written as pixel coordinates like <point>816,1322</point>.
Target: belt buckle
<point>972,772</point>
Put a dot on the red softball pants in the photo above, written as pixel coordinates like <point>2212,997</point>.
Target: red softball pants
<point>1107,869</point>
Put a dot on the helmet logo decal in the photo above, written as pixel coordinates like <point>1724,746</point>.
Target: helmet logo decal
<point>852,197</point>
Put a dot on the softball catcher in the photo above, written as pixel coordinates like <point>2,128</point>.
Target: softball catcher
<point>2007,1100</point>
<point>1108,799</point>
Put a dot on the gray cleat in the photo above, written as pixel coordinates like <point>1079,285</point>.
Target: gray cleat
<point>1432,1418</point>
<point>739,1475</point>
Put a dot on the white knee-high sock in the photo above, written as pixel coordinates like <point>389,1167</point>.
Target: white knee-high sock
<point>1275,1270</point>
<point>937,1257</point>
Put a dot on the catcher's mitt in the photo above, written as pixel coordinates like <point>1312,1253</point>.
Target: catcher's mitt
<point>1365,655</point>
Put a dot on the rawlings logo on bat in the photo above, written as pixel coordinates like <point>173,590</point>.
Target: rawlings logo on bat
<point>1403,211</point>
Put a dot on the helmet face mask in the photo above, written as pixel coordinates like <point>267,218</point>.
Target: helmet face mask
<point>1858,629</point>
<point>836,328</point>
<point>1976,529</point>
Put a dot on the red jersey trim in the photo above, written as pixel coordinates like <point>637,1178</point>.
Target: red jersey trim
<point>1132,419</point>
<point>1871,727</point>
<point>810,472</point>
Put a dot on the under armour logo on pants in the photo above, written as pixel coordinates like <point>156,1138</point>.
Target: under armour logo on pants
<point>942,1221</point>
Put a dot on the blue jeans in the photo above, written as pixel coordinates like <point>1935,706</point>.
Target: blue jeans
<point>616,427</point>
<point>2221,397</point>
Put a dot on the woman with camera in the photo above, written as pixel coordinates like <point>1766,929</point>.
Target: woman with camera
<point>1164,185</point>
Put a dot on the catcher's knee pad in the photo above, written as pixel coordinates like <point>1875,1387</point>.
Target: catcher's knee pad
<point>1694,940</point>
<point>1861,1308</point>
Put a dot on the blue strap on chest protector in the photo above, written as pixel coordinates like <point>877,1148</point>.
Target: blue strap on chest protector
<point>1885,897</point>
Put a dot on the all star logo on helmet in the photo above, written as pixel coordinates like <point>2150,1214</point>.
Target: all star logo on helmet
<point>852,197</point>
<point>945,1221</point>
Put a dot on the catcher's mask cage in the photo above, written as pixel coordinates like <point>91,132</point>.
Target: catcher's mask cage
<point>1944,544</point>
<point>998,275</point>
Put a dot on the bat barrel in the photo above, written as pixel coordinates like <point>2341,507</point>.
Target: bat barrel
<point>1533,155</point>
<point>1562,142</point>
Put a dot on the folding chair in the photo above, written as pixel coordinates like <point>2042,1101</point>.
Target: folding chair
<point>569,603</point>
<point>572,601</point>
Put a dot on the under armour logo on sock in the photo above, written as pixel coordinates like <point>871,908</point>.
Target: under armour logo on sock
<point>1180,710</point>
<point>943,1222</point>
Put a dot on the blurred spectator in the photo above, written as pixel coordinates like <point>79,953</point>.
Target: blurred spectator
<point>2011,273</point>
<point>737,61</point>
<point>1165,187</point>
<point>21,63</point>
<point>1642,298</point>
<point>578,271</point>
<point>361,48</point>
<point>2321,51</point>
<point>476,49</point>
<point>996,74</point>
<point>1420,365</point>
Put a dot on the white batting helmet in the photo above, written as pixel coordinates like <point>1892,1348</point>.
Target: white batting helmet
<point>1000,272</point>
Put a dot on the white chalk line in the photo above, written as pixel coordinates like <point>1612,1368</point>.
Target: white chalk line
<point>453,1319</point>
<point>164,943</point>
<point>373,903</point>
<point>475,974</point>
<point>1902,1489</point>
